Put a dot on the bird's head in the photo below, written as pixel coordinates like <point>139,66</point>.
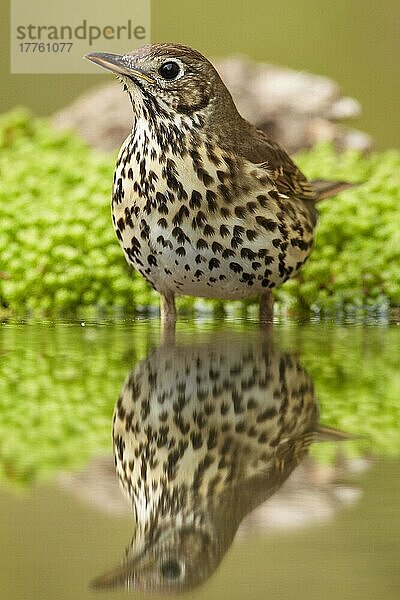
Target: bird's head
<point>173,560</point>
<point>171,78</point>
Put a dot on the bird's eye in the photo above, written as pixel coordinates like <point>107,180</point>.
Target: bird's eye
<point>169,70</point>
<point>172,569</point>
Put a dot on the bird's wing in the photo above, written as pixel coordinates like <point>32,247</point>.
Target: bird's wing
<point>287,177</point>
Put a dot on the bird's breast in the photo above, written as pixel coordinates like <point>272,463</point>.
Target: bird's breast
<point>205,222</point>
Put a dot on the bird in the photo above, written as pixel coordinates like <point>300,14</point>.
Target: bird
<point>203,433</point>
<point>204,203</point>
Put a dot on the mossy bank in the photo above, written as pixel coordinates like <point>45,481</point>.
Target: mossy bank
<point>58,252</point>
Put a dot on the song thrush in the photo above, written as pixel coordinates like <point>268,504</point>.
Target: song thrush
<point>204,203</point>
<point>203,434</point>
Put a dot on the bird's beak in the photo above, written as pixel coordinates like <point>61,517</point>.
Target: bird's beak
<point>119,64</point>
<point>124,575</point>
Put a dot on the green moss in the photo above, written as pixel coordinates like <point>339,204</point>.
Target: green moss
<point>357,248</point>
<point>59,253</point>
<point>57,246</point>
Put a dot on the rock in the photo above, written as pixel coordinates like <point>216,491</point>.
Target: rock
<point>102,116</point>
<point>297,109</point>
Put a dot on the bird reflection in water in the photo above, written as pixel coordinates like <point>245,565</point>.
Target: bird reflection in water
<point>203,434</point>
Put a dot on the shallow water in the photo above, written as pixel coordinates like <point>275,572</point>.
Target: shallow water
<point>315,518</point>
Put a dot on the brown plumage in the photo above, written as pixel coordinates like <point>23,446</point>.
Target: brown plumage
<point>203,434</point>
<point>204,203</point>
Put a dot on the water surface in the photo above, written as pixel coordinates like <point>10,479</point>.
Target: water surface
<point>325,521</point>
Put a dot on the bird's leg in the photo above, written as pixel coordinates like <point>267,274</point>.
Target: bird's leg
<point>266,307</point>
<point>167,308</point>
<point>168,318</point>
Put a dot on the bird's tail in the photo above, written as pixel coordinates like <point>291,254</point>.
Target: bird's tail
<point>326,189</point>
<point>323,433</point>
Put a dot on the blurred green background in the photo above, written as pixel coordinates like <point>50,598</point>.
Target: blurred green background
<point>356,43</point>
